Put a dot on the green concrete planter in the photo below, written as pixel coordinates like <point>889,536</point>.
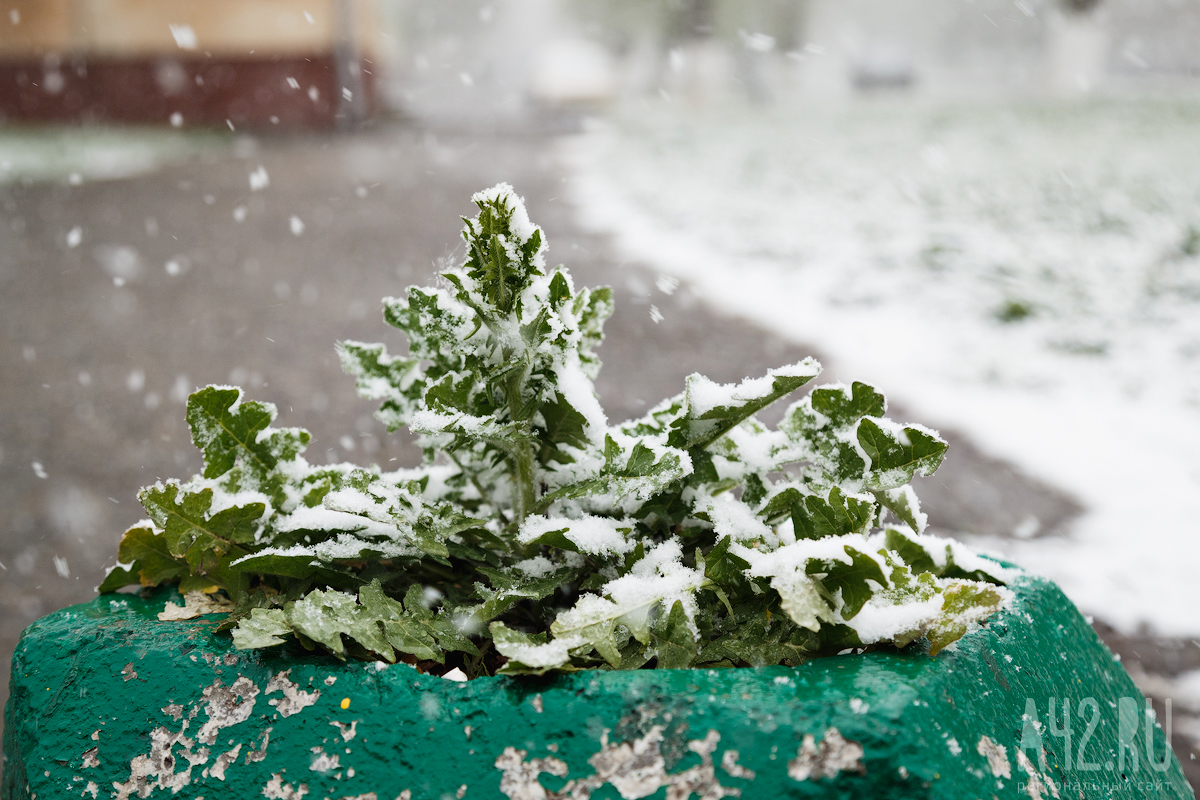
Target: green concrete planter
<point>107,701</point>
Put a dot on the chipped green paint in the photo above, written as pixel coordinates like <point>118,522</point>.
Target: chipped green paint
<point>107,701</point>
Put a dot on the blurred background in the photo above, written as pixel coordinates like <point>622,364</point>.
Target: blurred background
<point>990,209</point>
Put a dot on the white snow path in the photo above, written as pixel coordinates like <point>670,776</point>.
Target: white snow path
<point>1118,428</point>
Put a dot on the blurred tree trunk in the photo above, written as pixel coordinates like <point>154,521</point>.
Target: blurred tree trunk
<point>352,99</point>
<point>1077,47</point>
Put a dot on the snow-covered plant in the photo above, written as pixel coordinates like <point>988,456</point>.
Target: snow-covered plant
<point>538,536</point>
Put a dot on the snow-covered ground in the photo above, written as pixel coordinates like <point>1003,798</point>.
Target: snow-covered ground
<point>1028,274</point>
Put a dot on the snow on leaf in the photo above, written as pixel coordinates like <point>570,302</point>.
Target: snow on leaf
<point>801,600</point>
<point>326,616</point>
<point>265,627</point>
<point>897,453</point>
<point>538,536</point>
<point>714,409</point>
<point>851,579</point>
<point>529,654</point>
<point>230,432</point>
<point>152,559</point>
<point>839,514</point>
<point>597,536</point>
<point>902,501</point>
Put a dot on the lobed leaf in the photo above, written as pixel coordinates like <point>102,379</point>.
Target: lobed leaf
<point>714,409</point>
<point>231,432</point>
<point>264,627</point>
<point>850,579</point>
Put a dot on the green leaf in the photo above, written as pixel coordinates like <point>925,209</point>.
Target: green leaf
<point>451,394</point>
<point>915,556</point>
<point>821,426</point>
<point>672,640</point>
<point>379,376</point>
<point>489,262</point>
<point>758,640</point>
<point>556,538</point>
<point>430,320</point>
<point>528,654</point>
<point>724,568</point>
<point>560,288</point>
<point>953,570</point>
<point>408,635</point>
<point>839,515</point>
<point>714,409</point>
<point>634,655</point>
<point>207,543</point>
<point>403,630</point>
<point>265,627</point>
<point>635,471</point>
<point>118,577</point>
<point>412,628</point>
<point>594,306</point>
<point>964,602</point>
<point>563,426</point>
<point>902,502</point>
<point>844,408</point>
<point>897,454</point>
<point>851,578</point>
<point>754,490</point>
<point>781,505</point>
<point>156,564</point>
<point>300,567</point>
<point>602,636</point>
<point>229,432</point>
<point>325,616</point>
<point>801,601</point>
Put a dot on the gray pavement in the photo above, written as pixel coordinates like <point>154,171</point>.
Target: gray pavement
<point>93,375</point>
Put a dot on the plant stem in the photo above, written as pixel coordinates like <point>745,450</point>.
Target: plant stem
<point>523,499</point>
<point>524,494</point>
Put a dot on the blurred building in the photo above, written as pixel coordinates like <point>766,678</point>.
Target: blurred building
<point>258,63</point>
<point>314,63</point>
<point>785,50</point>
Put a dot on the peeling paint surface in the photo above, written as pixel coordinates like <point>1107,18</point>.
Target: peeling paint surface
<point>217,770</point>
<point>157,769</point>
<point>226,706</point>
<point>1038,786</point>
<point>833,755</point>
<point>635,769</point>
<point>204,720</point>
<point>293,701</point>
<point>730,765</point>
<point>276,789</point>
<point>173,755</point>
<point>997,757</point>
<point>261,753</point>
<point>322,761</point>
<point>349,730</point>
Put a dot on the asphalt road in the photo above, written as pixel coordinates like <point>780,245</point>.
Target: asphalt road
<point>186,276</point>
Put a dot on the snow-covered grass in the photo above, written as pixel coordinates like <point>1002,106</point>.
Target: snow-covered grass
<point>1026,273</point>
<point>49,153</point>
